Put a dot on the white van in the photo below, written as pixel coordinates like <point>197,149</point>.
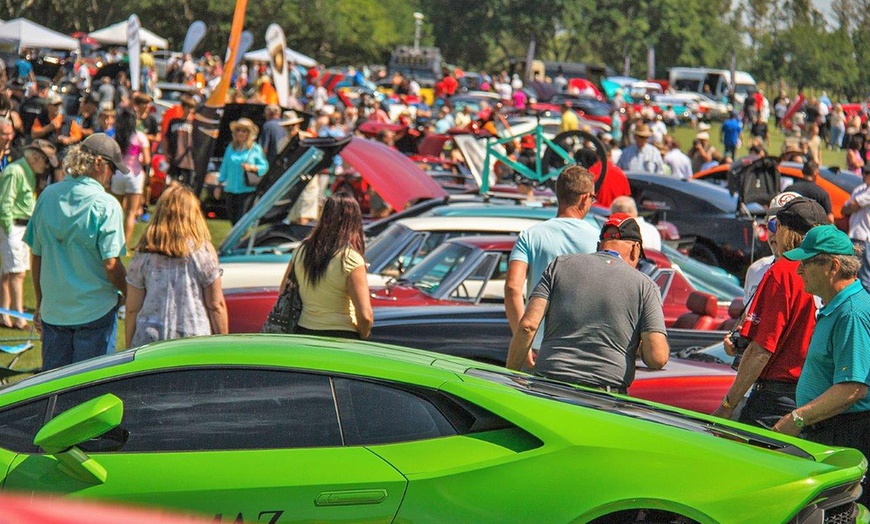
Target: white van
<point>714,82</point>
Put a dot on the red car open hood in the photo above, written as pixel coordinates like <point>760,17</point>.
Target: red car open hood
<point>392,175</point>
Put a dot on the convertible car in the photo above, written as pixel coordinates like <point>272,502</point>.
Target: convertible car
<point>303,429</point>
<point>471,271</point>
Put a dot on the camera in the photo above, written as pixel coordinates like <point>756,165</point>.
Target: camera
<point>740,344</point>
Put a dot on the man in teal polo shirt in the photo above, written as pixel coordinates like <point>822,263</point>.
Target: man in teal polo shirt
<point>17,198</point>
<point>832,392</point>
<point>76,234</point>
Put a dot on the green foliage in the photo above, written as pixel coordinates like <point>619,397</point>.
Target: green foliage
<point>779,41</point>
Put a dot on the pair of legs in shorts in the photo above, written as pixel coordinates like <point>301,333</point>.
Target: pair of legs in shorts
<point>14,264</point>
<point>129,188</point>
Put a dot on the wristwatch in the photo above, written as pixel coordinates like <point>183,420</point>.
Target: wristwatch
<point>798,420</point>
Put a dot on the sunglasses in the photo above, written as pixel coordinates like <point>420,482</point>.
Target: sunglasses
<point>772,224</point>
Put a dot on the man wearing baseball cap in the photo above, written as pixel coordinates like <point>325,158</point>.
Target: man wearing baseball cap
<point>833,404</point>
<point>601,314</point>
<point>76,234</point>
<point>18,184</point>
<point>777,327</point>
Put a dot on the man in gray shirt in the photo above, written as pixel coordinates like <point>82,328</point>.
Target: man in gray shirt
<point>601,314</point>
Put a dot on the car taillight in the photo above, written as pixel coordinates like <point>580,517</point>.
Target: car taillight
<point>667,230</point>
<point>761,232</point>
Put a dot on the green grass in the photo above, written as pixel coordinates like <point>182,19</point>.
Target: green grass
<point>685,136</point>
<point>32,358</point>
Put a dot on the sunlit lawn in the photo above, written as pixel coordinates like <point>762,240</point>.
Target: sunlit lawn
<point>32,358</point>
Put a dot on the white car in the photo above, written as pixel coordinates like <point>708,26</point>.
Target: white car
<point>388,255</point>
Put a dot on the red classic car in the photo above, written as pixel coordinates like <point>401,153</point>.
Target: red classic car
<point>471,271</point>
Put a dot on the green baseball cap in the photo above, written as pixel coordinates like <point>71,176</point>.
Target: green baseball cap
<point>822,239</point>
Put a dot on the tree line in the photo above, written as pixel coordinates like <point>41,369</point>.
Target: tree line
<point>782,42</point>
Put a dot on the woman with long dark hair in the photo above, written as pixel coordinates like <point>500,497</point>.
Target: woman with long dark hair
<point>137,154</point>
<point>331,272</point>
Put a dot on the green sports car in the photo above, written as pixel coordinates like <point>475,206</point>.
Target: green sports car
<point>287,428</point>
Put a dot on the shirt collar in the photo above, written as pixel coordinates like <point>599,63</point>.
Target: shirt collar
<point>842,296</point>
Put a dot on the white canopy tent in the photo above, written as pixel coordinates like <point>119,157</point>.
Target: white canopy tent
<point>25,33</point>
<point>116,34</point>
<point>262,55</point>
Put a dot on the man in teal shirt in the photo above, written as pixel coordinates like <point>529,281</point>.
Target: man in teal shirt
<point>832,392</point>
<point>77,237</point>
<point>17,198</point>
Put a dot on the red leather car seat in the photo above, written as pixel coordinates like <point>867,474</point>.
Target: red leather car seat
<point>734,310</point>
<point>702,312</point>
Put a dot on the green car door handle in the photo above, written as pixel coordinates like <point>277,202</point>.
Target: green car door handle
<point>350,498</point>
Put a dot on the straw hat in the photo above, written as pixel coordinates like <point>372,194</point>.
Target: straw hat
<point>642,131</point>
<point>290,118</point>
<point>247,123</point>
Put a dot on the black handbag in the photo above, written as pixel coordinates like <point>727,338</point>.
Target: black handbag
<point>288,308</point>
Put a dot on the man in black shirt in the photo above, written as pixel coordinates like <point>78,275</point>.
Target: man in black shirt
<point>808,188</point>
<point>34,106</point>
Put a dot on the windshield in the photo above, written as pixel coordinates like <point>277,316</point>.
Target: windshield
<point>842,179</point>
<point>443,262</point>
<point>593,107</point>
<point>74,369</point>
<point>381,249</point>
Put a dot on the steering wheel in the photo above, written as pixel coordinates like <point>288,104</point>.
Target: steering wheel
<point>461,291</point>
<point>571,142</point>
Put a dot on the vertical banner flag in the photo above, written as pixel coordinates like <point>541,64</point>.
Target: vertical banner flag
<point>245,43</point>
<point>276,45</point>
<point>530,59</point>
<point>650,62</point>
<point>206,122</point>
<point>134,49</point>
<point>194,36</point>
<point>733,70</point>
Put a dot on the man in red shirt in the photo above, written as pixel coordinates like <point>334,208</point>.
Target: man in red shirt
<point>615,182</point>
<point>778,326</point>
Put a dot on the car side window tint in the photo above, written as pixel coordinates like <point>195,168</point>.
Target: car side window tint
<point>216,409</point>
<point>19,425</point>
<point>373,413</point>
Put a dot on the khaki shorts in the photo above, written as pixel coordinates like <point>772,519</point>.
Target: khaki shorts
<point>14,253</point>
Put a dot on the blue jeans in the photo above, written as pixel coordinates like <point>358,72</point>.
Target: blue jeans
<point>62,345</point>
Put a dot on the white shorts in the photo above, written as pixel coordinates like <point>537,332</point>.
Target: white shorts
<point>129,184</point>
<point>15,254</point>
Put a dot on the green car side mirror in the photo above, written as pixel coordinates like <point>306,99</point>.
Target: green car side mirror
<point>77,425</point>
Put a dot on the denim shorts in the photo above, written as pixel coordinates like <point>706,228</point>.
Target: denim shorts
<point>62,345</point>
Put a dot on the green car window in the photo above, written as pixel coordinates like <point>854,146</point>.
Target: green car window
<point>377,414</point>
<point>217,409</point>
<point>19,424</point>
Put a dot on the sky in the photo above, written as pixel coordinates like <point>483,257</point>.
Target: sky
<point>825,7</point>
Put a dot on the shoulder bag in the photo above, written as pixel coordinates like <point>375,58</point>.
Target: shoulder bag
<point>252,177</point>
<point>288,308</point>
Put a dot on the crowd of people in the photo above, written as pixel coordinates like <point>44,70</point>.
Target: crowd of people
<point>805,331</point>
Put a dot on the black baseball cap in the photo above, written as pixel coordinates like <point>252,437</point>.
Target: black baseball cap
<point>802,214</point>
<point>622,226</point>
<point>105,146</point>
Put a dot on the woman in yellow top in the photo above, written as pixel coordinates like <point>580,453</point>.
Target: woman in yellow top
<point>331,272</point>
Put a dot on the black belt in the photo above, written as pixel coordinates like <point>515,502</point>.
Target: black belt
<point>776,385</point>
<point>20,222</point>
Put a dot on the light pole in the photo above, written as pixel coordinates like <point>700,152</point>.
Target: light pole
<point>418,28</point>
